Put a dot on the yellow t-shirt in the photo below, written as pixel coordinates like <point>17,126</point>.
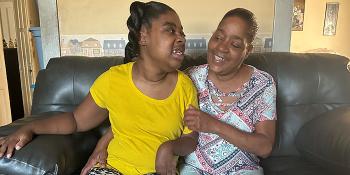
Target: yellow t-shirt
<point>140,123</point>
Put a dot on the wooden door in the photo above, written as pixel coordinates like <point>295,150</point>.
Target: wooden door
<point>5,112</point>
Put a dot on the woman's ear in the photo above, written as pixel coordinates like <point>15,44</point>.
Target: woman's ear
<point>249,50</point>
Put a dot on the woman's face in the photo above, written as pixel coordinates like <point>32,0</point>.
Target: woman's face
<point>165,41</point>
<point>228,46</point>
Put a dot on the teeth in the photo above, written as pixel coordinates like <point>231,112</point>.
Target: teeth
<point>218,59</point>
<point>178,52</point>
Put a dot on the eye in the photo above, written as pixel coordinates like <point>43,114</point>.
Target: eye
<point>219,37</point>
<point>237,45</point>
<point>171,30</point>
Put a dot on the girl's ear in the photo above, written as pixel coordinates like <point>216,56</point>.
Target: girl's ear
<point>143,36</point>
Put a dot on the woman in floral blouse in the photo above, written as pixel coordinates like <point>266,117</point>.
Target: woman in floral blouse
<point>236,120</point>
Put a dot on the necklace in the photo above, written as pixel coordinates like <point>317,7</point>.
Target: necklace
<point>219,95</point>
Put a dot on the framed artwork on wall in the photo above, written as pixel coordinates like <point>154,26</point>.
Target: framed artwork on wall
<point>298,15</point>
<point>330,19</point>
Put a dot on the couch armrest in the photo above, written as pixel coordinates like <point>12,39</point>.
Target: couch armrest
<point>48,154</point>
<point>325,140</point>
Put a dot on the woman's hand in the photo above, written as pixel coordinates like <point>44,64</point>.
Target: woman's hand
<point>166,161</point>
<point>199,121</point>
<point>97,157</point>
<point>15,140</point>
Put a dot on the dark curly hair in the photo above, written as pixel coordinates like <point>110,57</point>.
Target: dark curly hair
<point>141,14</point>
<point>248,17</point>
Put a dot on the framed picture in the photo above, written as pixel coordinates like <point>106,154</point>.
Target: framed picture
<point>298,15</point>
<point>330,19</point>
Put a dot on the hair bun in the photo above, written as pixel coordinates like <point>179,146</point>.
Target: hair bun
<point>137,8</point>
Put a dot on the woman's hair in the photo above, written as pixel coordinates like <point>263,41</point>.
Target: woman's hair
<point>141,14</point>
<point>248,17</point>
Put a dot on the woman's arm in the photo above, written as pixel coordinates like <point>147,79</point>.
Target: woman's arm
<point>260,142</point>
<point>182,146</point>
<point>86,116</point>
<point>99,156</point>
<point>168,152</point>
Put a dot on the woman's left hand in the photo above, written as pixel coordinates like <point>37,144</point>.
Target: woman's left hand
<point>199,121</point>
<point>165,160</point>
<point>97,157</point>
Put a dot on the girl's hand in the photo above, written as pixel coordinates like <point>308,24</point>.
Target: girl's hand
<point>15,140</point>
<point>199,121</point>
<point>165,160</point>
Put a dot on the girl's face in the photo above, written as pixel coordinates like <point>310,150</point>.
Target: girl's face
<point>164,41</point>
<point>228,46</point>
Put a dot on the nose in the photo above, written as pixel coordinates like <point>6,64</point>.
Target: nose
<point>223,46</point>
<point>181,38</point>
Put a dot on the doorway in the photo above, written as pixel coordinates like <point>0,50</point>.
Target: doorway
<point>16,17</point>
<point>5,112</point>
<point>9,42</point>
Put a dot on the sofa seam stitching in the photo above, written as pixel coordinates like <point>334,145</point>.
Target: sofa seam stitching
<point>25,163</point>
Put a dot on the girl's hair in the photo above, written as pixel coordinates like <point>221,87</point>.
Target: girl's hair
<point>141,14</point>
<point>248,17</point>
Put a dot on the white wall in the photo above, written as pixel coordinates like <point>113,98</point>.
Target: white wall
<point>197,16</point>
<point>312,38</point>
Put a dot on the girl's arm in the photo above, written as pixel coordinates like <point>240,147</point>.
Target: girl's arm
<point>86,116</point>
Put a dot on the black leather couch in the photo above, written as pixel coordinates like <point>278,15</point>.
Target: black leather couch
<point>313,105</point>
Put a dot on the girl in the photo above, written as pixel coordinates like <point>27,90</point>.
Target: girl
<point>144,100</point>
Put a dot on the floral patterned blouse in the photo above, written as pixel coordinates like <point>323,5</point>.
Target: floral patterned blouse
<point>257,103</point>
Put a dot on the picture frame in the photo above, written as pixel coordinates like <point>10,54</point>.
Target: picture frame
<point>298,15</point>
<point>330,19</point>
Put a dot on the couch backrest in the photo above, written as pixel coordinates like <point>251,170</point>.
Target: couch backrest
<point>67,80</point>
<point>307,85</point>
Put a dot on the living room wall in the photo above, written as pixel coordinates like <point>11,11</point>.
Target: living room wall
<point>311,39</point>
<point>109,16</point>
<point>98,28</point>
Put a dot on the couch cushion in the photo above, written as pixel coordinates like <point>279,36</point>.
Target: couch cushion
<point>48,154</point>
<point>291,165</point>
<point>325,140</point>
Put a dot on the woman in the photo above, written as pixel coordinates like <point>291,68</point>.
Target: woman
<point>236,120</point>
<point>144,100</point>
